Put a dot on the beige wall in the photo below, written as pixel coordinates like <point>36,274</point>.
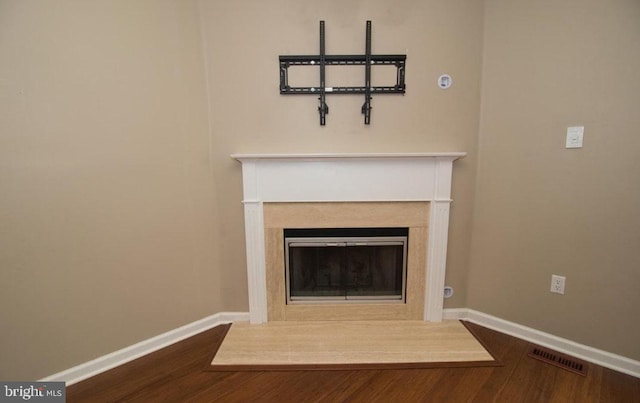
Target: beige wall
<point>243,40</point>
<point>120,213</point>
<point>542,209</point>
<point>106,198</point>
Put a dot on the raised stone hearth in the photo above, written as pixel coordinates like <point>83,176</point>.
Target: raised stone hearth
<point>340,191</point>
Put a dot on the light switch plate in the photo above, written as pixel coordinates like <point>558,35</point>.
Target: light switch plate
<point>575,134</point>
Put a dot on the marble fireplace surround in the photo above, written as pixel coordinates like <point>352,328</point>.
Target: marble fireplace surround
<point>308,182</point>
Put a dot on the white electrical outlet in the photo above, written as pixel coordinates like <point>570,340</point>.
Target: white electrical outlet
<point>575,134</point>
<point>557,284</point>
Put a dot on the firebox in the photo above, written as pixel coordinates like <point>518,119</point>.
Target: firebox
<point>342,265</point>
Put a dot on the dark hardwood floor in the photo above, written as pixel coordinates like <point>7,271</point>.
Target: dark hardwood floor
<point>178,374</point>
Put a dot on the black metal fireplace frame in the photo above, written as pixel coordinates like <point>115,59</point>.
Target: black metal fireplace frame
<point>340,240</point>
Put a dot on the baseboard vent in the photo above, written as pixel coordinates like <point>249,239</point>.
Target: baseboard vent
<point>559,360</point>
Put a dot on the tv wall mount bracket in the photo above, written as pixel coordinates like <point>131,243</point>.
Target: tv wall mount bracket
<point>322,60</point>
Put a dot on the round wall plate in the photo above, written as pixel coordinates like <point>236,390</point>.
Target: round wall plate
<point>445,81</point>
<point>448,292</point>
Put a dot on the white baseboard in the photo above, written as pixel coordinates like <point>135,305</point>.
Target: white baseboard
<point>127,354</point>
<point>112,360</point>
<point>587,353</point>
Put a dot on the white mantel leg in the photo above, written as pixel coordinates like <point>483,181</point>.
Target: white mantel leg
<point>436,260</point>
<point>256,270</point>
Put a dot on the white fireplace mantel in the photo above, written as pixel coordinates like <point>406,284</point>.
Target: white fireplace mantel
<point>347,178</point>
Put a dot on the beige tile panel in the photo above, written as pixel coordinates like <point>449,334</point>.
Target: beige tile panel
<point>348,311</point>
<point>275,272</point>
<point>348,342</point>
<point>416,272</point>
<point>278,216</point>
<point>346,214</point>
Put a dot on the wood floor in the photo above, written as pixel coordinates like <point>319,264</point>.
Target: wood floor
<point>178,374</point>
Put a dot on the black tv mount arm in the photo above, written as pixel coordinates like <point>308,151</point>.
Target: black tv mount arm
<point>322,60</point>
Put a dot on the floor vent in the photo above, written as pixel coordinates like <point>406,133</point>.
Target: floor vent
<point>559,360</point>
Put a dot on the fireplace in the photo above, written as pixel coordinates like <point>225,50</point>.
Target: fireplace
<point>346,191</point>
<point>345,265</point>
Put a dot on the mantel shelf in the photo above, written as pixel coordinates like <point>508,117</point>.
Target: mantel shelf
<point>319,156</point>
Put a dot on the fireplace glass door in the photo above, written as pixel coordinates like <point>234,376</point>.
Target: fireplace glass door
<point>344,265</point>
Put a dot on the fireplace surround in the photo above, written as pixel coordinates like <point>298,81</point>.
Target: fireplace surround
<point>339,191</point>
